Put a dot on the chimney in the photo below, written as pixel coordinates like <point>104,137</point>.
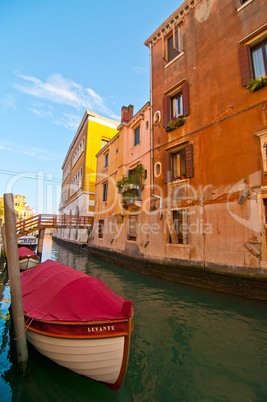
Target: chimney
<point>126,113</point>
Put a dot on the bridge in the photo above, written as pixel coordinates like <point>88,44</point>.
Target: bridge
<point>49,221</point>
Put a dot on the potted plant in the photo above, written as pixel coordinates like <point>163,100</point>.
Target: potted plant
<point>256,84</point>
<point>175,122</point>
<point>183,175</point>
<point>120,184</point>
<point>177,177</point>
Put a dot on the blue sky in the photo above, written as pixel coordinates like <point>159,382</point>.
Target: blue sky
<point>59,58</point>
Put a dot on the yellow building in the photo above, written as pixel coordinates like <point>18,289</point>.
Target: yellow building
<point>79,170</point>
<point>22,210</point>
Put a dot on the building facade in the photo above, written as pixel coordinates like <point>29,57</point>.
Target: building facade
<point>22,209</point>
<point>79,171</point>
<point>207,139</point>
<point>207,187</point>
<point>123,183</point>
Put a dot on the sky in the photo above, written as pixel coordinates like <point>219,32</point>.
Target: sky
<point>57,59</point>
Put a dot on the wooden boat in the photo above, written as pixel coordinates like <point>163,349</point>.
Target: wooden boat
<point>27,241</point>
<point>27,258</point>
<point>77,321</point>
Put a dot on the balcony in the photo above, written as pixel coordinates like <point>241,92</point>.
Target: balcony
<point>131,195</point>
<point>131,188</point>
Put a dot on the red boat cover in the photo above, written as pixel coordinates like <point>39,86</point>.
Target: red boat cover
<point>55,292</point>
<point>26,252</point>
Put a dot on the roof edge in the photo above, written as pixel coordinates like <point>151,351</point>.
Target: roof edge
<point>176,16</point>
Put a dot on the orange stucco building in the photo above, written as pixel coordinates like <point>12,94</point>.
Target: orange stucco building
<point>207,188</point>
<point>123,182</point>
<point>214,216</point>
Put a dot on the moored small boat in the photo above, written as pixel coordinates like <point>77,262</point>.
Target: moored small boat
<point>27,241</point>
<point>77,321</point>
<point>27,258</point>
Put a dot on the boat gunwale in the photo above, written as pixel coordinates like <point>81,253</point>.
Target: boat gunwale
<point>96,335</point>
<point>28,257</point>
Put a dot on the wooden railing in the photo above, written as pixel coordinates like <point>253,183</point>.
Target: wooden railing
<point>46,221</point>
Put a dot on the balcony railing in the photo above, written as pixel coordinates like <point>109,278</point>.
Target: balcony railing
<point>131,194</point>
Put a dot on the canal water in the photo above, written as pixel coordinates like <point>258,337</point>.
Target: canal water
<point>188,344</point>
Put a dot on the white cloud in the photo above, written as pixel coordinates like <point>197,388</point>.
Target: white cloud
<point>69,121</point>
<point>41,154</point>
<point>8,102</point>
<point>41,113</point>
<point>58,89</point>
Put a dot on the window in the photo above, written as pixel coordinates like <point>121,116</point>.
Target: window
<point>176,103</point>
<point>137,173</point>
<point>80,177</point>
<point>253,61</point>
<point>262,135</point>
<point>105,192</point>
<point>177,162</point>
<point>172,44</point>
<point>172,52</point>
<point>101,228</point>
<point>259,59</point>
<point>265,210</point>
<point>157,169</point>
<point>132,227</point>
<point>145,174</point>
<point>179,224</point>
<point>136,136</point>
<point>106,160</point>
<point>103,143</point>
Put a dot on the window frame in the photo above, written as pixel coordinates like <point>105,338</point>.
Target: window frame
<point>189,162</point>
<point>263,46</point>
<point>181,88</point>
<point>262,135</point>
<point>104,142</point>
<point>100,228</point>
<point>105,192</point>
<point>182,162</point>
<point>264,200</point>
<point>243,4</point>
<point>106,160</point>
<point>178,232</point>
<point>178,100</point>
<point>252,42</point>
<point>174,36</point>
<point>136,130</point>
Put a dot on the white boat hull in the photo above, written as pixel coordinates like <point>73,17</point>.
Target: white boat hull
<point>28,263</point>
<point>98,359</point>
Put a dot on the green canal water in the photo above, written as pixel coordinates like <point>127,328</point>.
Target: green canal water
<point>188,344</point>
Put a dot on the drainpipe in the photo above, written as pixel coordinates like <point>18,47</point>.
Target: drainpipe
<point>160,204</point>
<point>152,136</point>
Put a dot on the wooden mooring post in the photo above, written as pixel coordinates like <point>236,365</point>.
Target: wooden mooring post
<point>14,282</point>
<point>40,242</point>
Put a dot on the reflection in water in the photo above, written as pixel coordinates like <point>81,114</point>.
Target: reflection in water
<point>188,344</point>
